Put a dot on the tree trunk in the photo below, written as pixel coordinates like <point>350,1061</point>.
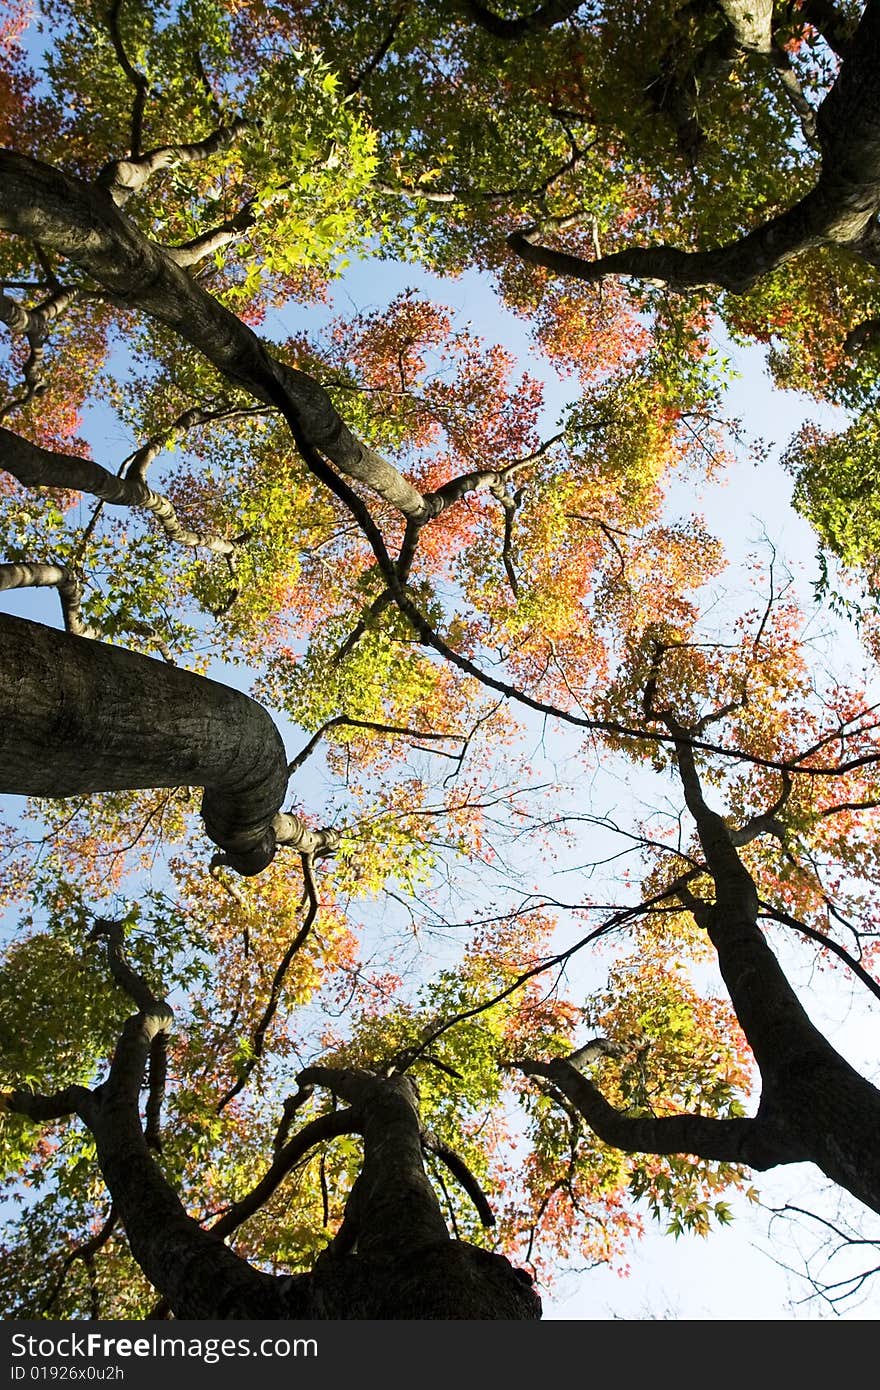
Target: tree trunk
<point>451,1280</point>
<point>405,1265</point>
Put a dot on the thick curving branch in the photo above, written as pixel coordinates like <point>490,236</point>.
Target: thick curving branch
<point>462,1173</point>
<point>838,210</point>
<point>34,466</point>
<point>124,177</point>
<point>825,216</point>
<point>752,1142</point>
<point>197,1274</point>
<point>329,1126</point>
<point>81,222</point>
<point>35,324</point>
<point>79,716</point>
<point>41,1109</point>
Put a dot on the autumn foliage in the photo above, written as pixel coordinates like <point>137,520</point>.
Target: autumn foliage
<point>484,695</point>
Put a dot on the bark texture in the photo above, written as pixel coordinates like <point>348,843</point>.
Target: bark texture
<point>450,1280</point>
<point>82,222</point>
<point>839,210</point>
<point>79,716</point>
<point>393,1257</point>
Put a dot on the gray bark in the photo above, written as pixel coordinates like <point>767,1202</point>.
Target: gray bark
<point>79,716</point>
<point>839,210</point>
<point>724,1141</point>
<point>397,1209</point>
<point>79,221</point>
<point>38,576</point>
<point>199,1275</point>
<point>37,467</point>
<point>125,177</point>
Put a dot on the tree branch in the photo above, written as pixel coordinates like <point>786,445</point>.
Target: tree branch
<point>198,1275</point>
<point>34,466</point>
<point>826,942</point>
<point>726,1141</point>
<point>61,577</point>
<point>355,84</point>
<point>137,79</point>
<point>544,17</point>
<point>85,1252</point>
<point>259,1035</point>
<point>344,721</point>
<point>462,1173</point>
<point>835,27</point>
<point>66,214</point>
<point>838,210</point>
<point>100,718</point>
<point>42,1108</point>
<point>124,177</point>
<point>329,1126</point>
<point>34,324</point>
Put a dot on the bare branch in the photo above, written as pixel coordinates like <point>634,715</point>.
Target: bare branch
<point>345,721</point>
<point>85,1252</point>
<point>329,1126</point>
<point>729,1141</point>
<point>258,1040</point>
<point>459,1170</point>
<point>826,942</point>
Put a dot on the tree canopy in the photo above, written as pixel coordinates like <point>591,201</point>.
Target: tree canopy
<point>296,1023</point>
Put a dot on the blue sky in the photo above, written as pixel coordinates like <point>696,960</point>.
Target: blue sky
<point>731,1275</point>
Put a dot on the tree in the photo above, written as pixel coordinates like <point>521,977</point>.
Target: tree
<point>409,567</point>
